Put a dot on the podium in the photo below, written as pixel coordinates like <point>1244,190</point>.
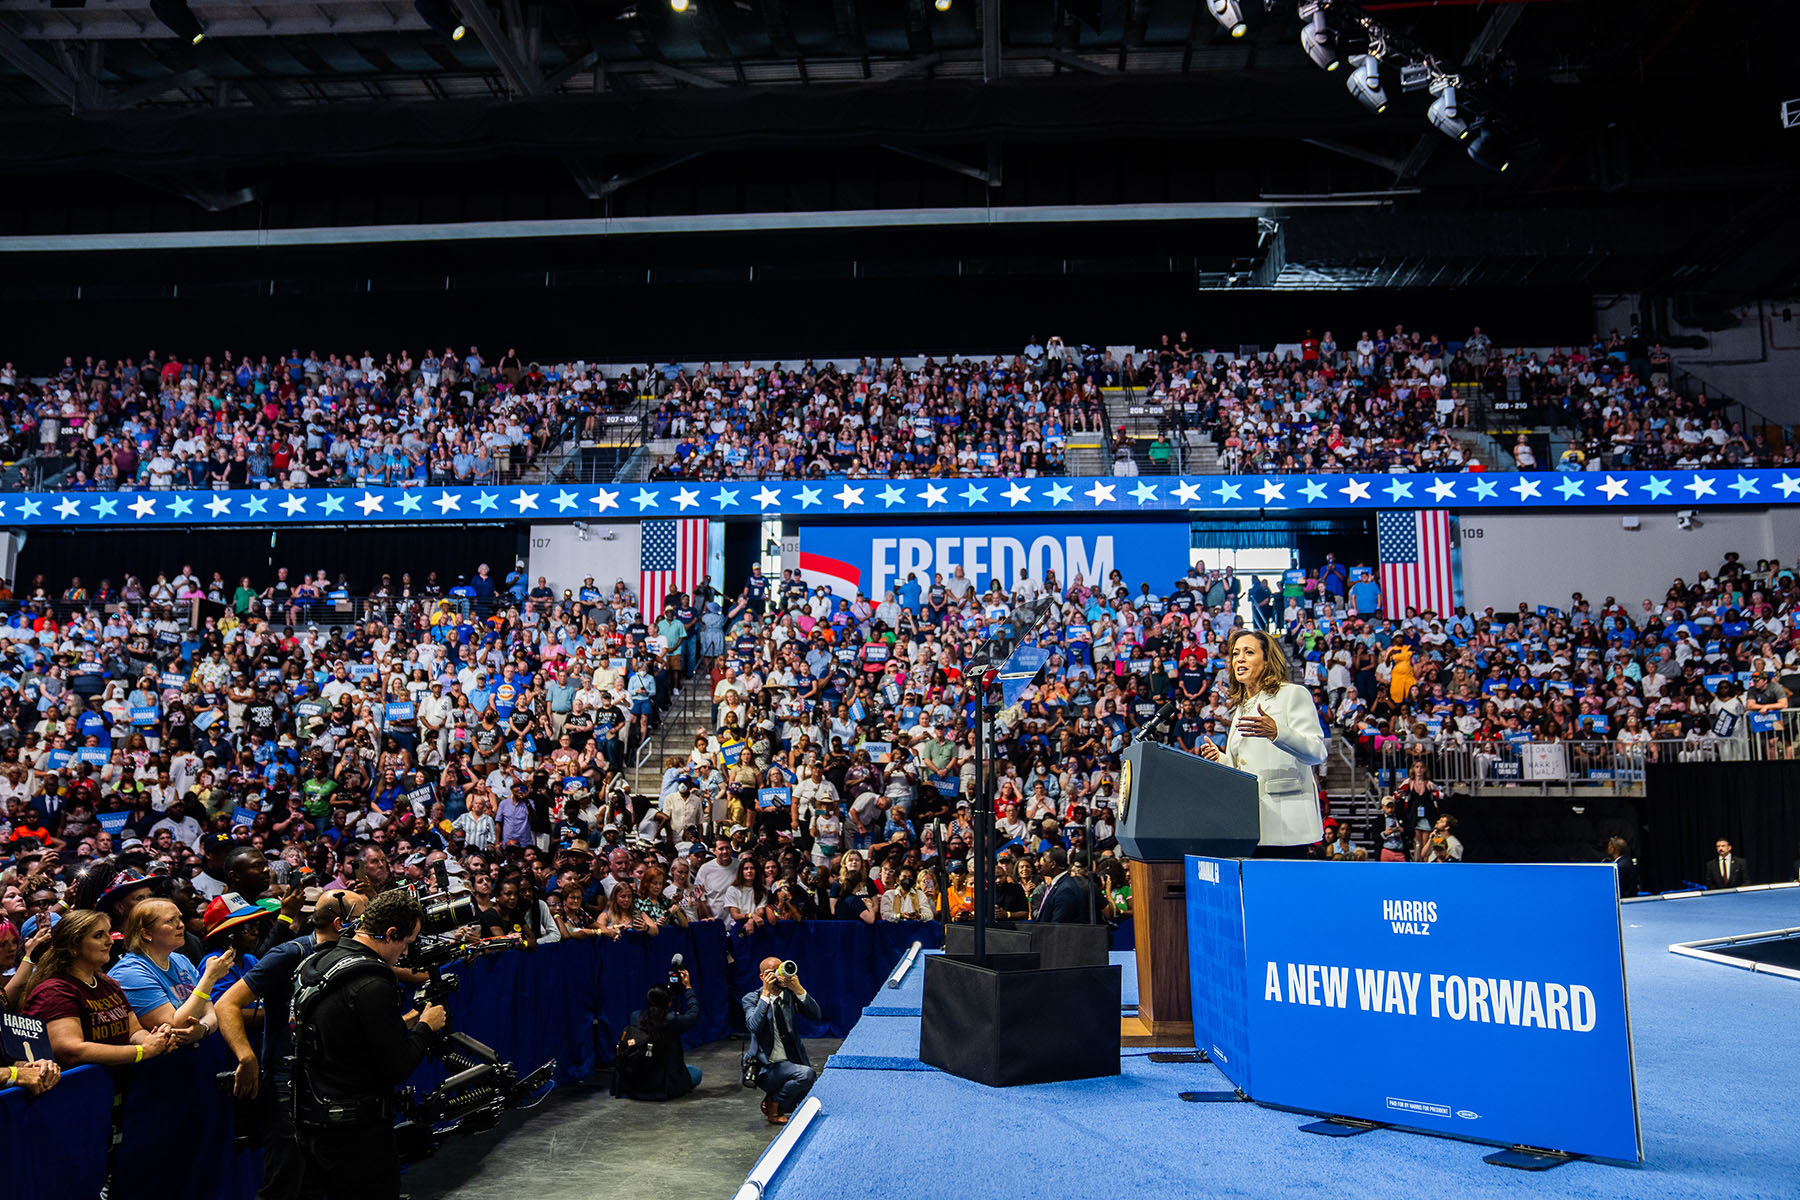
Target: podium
<point>1172,804</point>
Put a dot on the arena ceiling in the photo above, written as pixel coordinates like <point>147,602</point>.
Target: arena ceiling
<point>1649,151</point>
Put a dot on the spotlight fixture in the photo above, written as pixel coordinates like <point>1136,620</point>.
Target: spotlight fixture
<point>1365,82</point>
<point>941,5</point>
<point>440,17</point>
<point>179,18</point>
<point>1317,39</point>
<point>1490,148</point>
<point>1230,15</point>
<point>1443,113</point>
<point>680,6</point>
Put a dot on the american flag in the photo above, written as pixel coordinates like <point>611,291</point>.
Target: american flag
<point>674,559</point>
<point>1414,550</point>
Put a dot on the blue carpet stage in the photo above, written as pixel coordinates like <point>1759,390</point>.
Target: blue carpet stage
<point>1716,1053</point>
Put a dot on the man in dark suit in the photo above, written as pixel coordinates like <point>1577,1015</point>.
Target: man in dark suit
<point>1066,900</point>
<point>1727,870</point>
<point>771,1017</point>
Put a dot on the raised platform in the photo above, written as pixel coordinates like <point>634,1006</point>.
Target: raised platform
<point>1715,1053</point>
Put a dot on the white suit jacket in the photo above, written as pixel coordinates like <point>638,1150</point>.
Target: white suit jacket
<point>1288,794</point>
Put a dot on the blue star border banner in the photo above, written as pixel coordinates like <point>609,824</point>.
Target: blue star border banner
<point>1041,497</point>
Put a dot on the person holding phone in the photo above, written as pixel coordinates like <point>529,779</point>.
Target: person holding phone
<point>1275,735</point>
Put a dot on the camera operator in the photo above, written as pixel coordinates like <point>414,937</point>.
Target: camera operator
<point>782,1070</point>
<point>650,1063</point>
<point>286,1175</point>
<point>352,1049</point>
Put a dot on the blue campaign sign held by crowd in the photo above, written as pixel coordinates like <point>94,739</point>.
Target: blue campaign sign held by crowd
<point>876,559</point>
<point>1477,1001</point>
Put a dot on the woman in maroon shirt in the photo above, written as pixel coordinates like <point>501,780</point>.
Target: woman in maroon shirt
<point>85,1013</point>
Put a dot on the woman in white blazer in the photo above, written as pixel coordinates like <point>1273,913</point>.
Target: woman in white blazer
<point>1275,735</point>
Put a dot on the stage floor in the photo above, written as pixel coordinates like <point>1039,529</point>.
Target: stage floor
<point>1716,1049</point>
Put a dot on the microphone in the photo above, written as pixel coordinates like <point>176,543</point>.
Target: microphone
<point>1160,720</point>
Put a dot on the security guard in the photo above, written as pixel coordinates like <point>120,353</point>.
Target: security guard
<point>352,1049</point>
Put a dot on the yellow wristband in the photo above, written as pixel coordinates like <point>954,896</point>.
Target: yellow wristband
<point>140,1053</point>
<point>14,1077</point>
<point>285,919</point>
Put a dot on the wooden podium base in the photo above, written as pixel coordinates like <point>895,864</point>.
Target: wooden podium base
<point>1135,1031</point>
<point>1159,905</point>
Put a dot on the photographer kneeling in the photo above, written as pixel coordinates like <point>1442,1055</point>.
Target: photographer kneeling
<point>775,1060</point>
<point>650,1063</point>
<point>352,1049</point>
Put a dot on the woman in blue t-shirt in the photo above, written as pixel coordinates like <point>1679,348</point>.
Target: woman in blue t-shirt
<point>159,982</point>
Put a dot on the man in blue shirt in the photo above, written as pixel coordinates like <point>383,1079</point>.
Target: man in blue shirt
<point>1365,593</point>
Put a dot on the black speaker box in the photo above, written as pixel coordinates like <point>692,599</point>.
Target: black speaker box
<point>959,940</point>
<point>1071,945</point>
<point>1005,1027</point>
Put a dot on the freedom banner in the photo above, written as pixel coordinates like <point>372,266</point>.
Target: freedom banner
<point>876,559</point>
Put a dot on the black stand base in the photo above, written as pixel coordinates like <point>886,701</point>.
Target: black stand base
<point>1071,945</point>
<point>959,941</point>
<point>1340,1127</point>
<point>1528,1158</point>
<point>1234,1096</point>
<point>1004,1027</point>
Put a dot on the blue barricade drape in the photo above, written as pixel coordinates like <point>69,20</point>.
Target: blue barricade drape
<point>183,1128</point>
<point>568,1001</point>
<point>55,1146</point>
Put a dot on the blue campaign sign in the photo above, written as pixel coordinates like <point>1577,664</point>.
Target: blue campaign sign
<point>1512,977</point>
<point>113,822</point>
<point>1218,979</point>
<point>876,559</point>
<point>93,755</point>
<point>774,797</point>
<point>242,816</point>
<point>400,710</point>
<point>145,714</point>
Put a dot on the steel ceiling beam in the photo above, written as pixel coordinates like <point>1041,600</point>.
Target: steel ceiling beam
<point>35,67</point>
<point>521,76</point>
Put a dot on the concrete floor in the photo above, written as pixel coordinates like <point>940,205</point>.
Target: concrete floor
<point>580,1143</point>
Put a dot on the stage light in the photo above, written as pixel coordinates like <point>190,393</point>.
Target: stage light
<point>941,5</point>
<point>441,18</point>
<point>680,6</point>
<point>1365,82</point>
<point>179,18</point>
<point>1230,15</point>
<point>1443,115</point>
<point>1490,148</point>
<point>1317,39</point>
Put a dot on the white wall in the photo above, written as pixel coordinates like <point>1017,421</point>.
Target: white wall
<point>559,553</point>
<point>1756,363</point>
<point>1545,558</point>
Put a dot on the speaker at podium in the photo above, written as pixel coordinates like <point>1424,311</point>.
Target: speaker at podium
<point>1172,804</point>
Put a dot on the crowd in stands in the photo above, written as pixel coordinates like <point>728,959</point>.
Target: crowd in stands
<point>1622,683</point>
<point>1386,402</point>
<point>1392,402</point>
<point>1008,416</point>
<point>302,420</point>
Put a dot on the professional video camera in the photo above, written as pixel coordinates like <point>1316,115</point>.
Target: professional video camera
<point>480,1087</point>
<point>471,1100</point>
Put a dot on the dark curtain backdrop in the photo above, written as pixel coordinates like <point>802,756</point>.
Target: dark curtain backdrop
<point>365,554</point>
<point>1689,806</point>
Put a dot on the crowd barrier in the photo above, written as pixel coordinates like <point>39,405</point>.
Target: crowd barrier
<point>568,1001</point>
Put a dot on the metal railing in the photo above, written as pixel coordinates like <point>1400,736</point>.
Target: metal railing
<point>679,713</point>
<point>1570,767</point>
